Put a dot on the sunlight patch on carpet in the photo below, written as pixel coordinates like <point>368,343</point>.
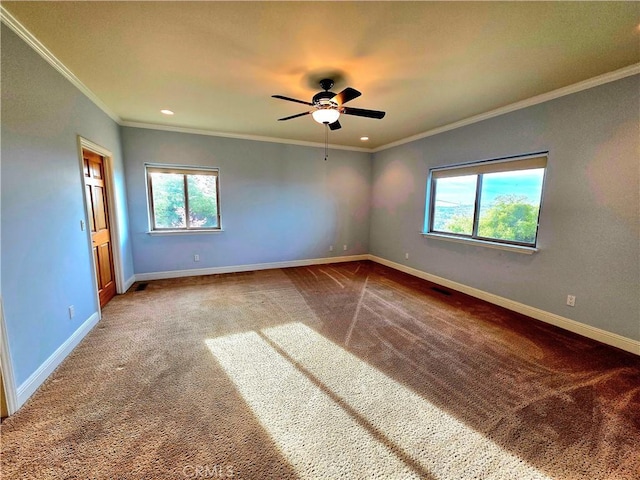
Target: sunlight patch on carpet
<point>317,436</point>
<point>334,415</point>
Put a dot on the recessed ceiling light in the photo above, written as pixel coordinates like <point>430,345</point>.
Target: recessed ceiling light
<point>364,139</point>
<point>166,112</point>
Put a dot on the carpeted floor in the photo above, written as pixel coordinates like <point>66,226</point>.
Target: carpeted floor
<point>332,371</point>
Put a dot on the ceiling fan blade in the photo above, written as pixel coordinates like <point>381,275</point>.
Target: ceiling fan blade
<point>362,112</point>
<point>346,95</point>
<point>294,116</point>
<point>281,97</point>
<point>335,125</point>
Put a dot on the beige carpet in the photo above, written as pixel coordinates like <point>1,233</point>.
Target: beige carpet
<point>334,371</point>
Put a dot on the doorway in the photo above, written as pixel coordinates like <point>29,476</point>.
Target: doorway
<point>97,198</point>
<point>4,410</point>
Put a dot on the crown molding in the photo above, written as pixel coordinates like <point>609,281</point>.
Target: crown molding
<point>619,74</point>
<point>256,138</point>
<point>34,43</point>
<point>30,39</point>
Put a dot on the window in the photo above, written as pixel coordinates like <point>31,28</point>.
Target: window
<point>183,198</point>
<point>495,201</point>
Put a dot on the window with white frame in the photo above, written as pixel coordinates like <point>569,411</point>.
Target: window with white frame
<point>496,201</point>
<point>183,198</point>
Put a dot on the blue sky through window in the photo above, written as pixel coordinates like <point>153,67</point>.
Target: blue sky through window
<point>461,191</point>
<point>456,191</point>
<point>526,183</point>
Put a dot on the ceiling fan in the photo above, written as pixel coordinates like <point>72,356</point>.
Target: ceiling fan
<point>327,106</point>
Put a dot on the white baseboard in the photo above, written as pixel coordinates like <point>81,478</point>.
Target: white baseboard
<point>247,268</point>
<point>6,368</point>
<point>29,386</point>
<point>37,378</point>
<point>588,331</point>
<point>127,283</point>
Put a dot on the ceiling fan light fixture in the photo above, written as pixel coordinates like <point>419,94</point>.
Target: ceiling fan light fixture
<point>326,115</point>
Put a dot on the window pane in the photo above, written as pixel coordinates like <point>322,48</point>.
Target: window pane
<point>168,200</point>
<point>455,199</point>
<point>203,207</point>
<point>509,205</point>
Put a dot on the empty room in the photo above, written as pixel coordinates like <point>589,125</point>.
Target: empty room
<point>320,240</point>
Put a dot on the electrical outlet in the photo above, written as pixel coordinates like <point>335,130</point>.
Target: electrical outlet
<point>571,300</point>
<point>344,247</point>
<point>331,248</point>
<point>196,258</point>
<point>72,311</point>
<point>406,256</point>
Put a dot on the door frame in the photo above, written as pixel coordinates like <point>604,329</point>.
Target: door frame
<point>6,368</point>
<point>114,229</point>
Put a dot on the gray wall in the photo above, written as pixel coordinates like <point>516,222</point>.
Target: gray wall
<point>590,221</point>
<point>278,202</point>
<point>282,202</point>
<point>46,263</point>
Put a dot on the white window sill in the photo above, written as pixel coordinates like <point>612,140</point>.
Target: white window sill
<point>482,243</point>
<point>184,232</point>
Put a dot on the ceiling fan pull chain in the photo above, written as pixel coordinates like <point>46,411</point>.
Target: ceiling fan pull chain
<point>326,141</point>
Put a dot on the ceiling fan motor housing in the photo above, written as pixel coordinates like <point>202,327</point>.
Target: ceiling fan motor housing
<point>323,99</point>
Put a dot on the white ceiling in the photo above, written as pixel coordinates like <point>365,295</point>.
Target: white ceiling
<point>427,64</point>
